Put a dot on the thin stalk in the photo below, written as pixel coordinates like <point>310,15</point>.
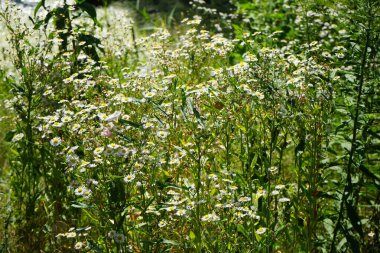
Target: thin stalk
<point>348,188</point>
<point>198,206</point>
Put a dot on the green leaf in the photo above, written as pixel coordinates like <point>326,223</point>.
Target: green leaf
<point>38,24</point>
<point>350,78</point>
<point>329,226</point>
<point>192,236</point>
<point>166,241</point>
<point>354,218</point>
<point>374,116</point>
<point>94,246</point>
<point>198,116</point>
<point>346,145</point>
<point>9,136</point>
<point>242,128</point>
<point>341,244</point>
<point>80,205</point>
<point>38,6</point>
<point>242,230</point>
<point>354,244</point>
<point>48,16</point>
<point>368,173</point>
<point>238,30</point>
<point>90,9</point>
<point>130,123</point>
<point>171,16</point>
<point>140,225</point>
<point>258,237</point>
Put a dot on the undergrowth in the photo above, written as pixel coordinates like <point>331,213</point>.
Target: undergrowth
<point>253,130</point>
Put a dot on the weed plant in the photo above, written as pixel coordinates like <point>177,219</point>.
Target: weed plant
<point>254,131</point>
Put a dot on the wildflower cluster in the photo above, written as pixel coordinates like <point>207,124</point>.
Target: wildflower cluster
<point>189,141</point>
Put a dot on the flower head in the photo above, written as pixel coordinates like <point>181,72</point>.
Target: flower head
<point>98,151</point>
<point>78,245</point>
<point>162,134</point>
<point>162,223</point>
<point>80,190</point>
<point>55,141</point>
<point>261,231</point>
<point>272,169</point>
<point>181,212</point>
<point>17,137</point>
<point>129,178</point>
<point>119,238</point>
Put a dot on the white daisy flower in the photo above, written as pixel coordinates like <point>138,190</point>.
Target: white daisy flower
<point>261,231</point>
<point>55,141</point>
<point>272,169</point>
<point>162,134</point>
<point>78,245</point>
<point>129,178</point>
<point>282,200</point>
<point>98,150</point>
<point>162,223</point>
<point>80,190</point>
<point>181,212</point>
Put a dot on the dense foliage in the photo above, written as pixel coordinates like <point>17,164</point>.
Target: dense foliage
<point>252,128</point>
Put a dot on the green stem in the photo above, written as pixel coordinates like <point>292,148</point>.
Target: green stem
<point>348,188</point>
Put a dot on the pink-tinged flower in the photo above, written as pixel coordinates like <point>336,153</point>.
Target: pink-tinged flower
<point>106,133</point>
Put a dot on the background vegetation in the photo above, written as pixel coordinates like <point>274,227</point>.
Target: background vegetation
<point>247,126</point>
